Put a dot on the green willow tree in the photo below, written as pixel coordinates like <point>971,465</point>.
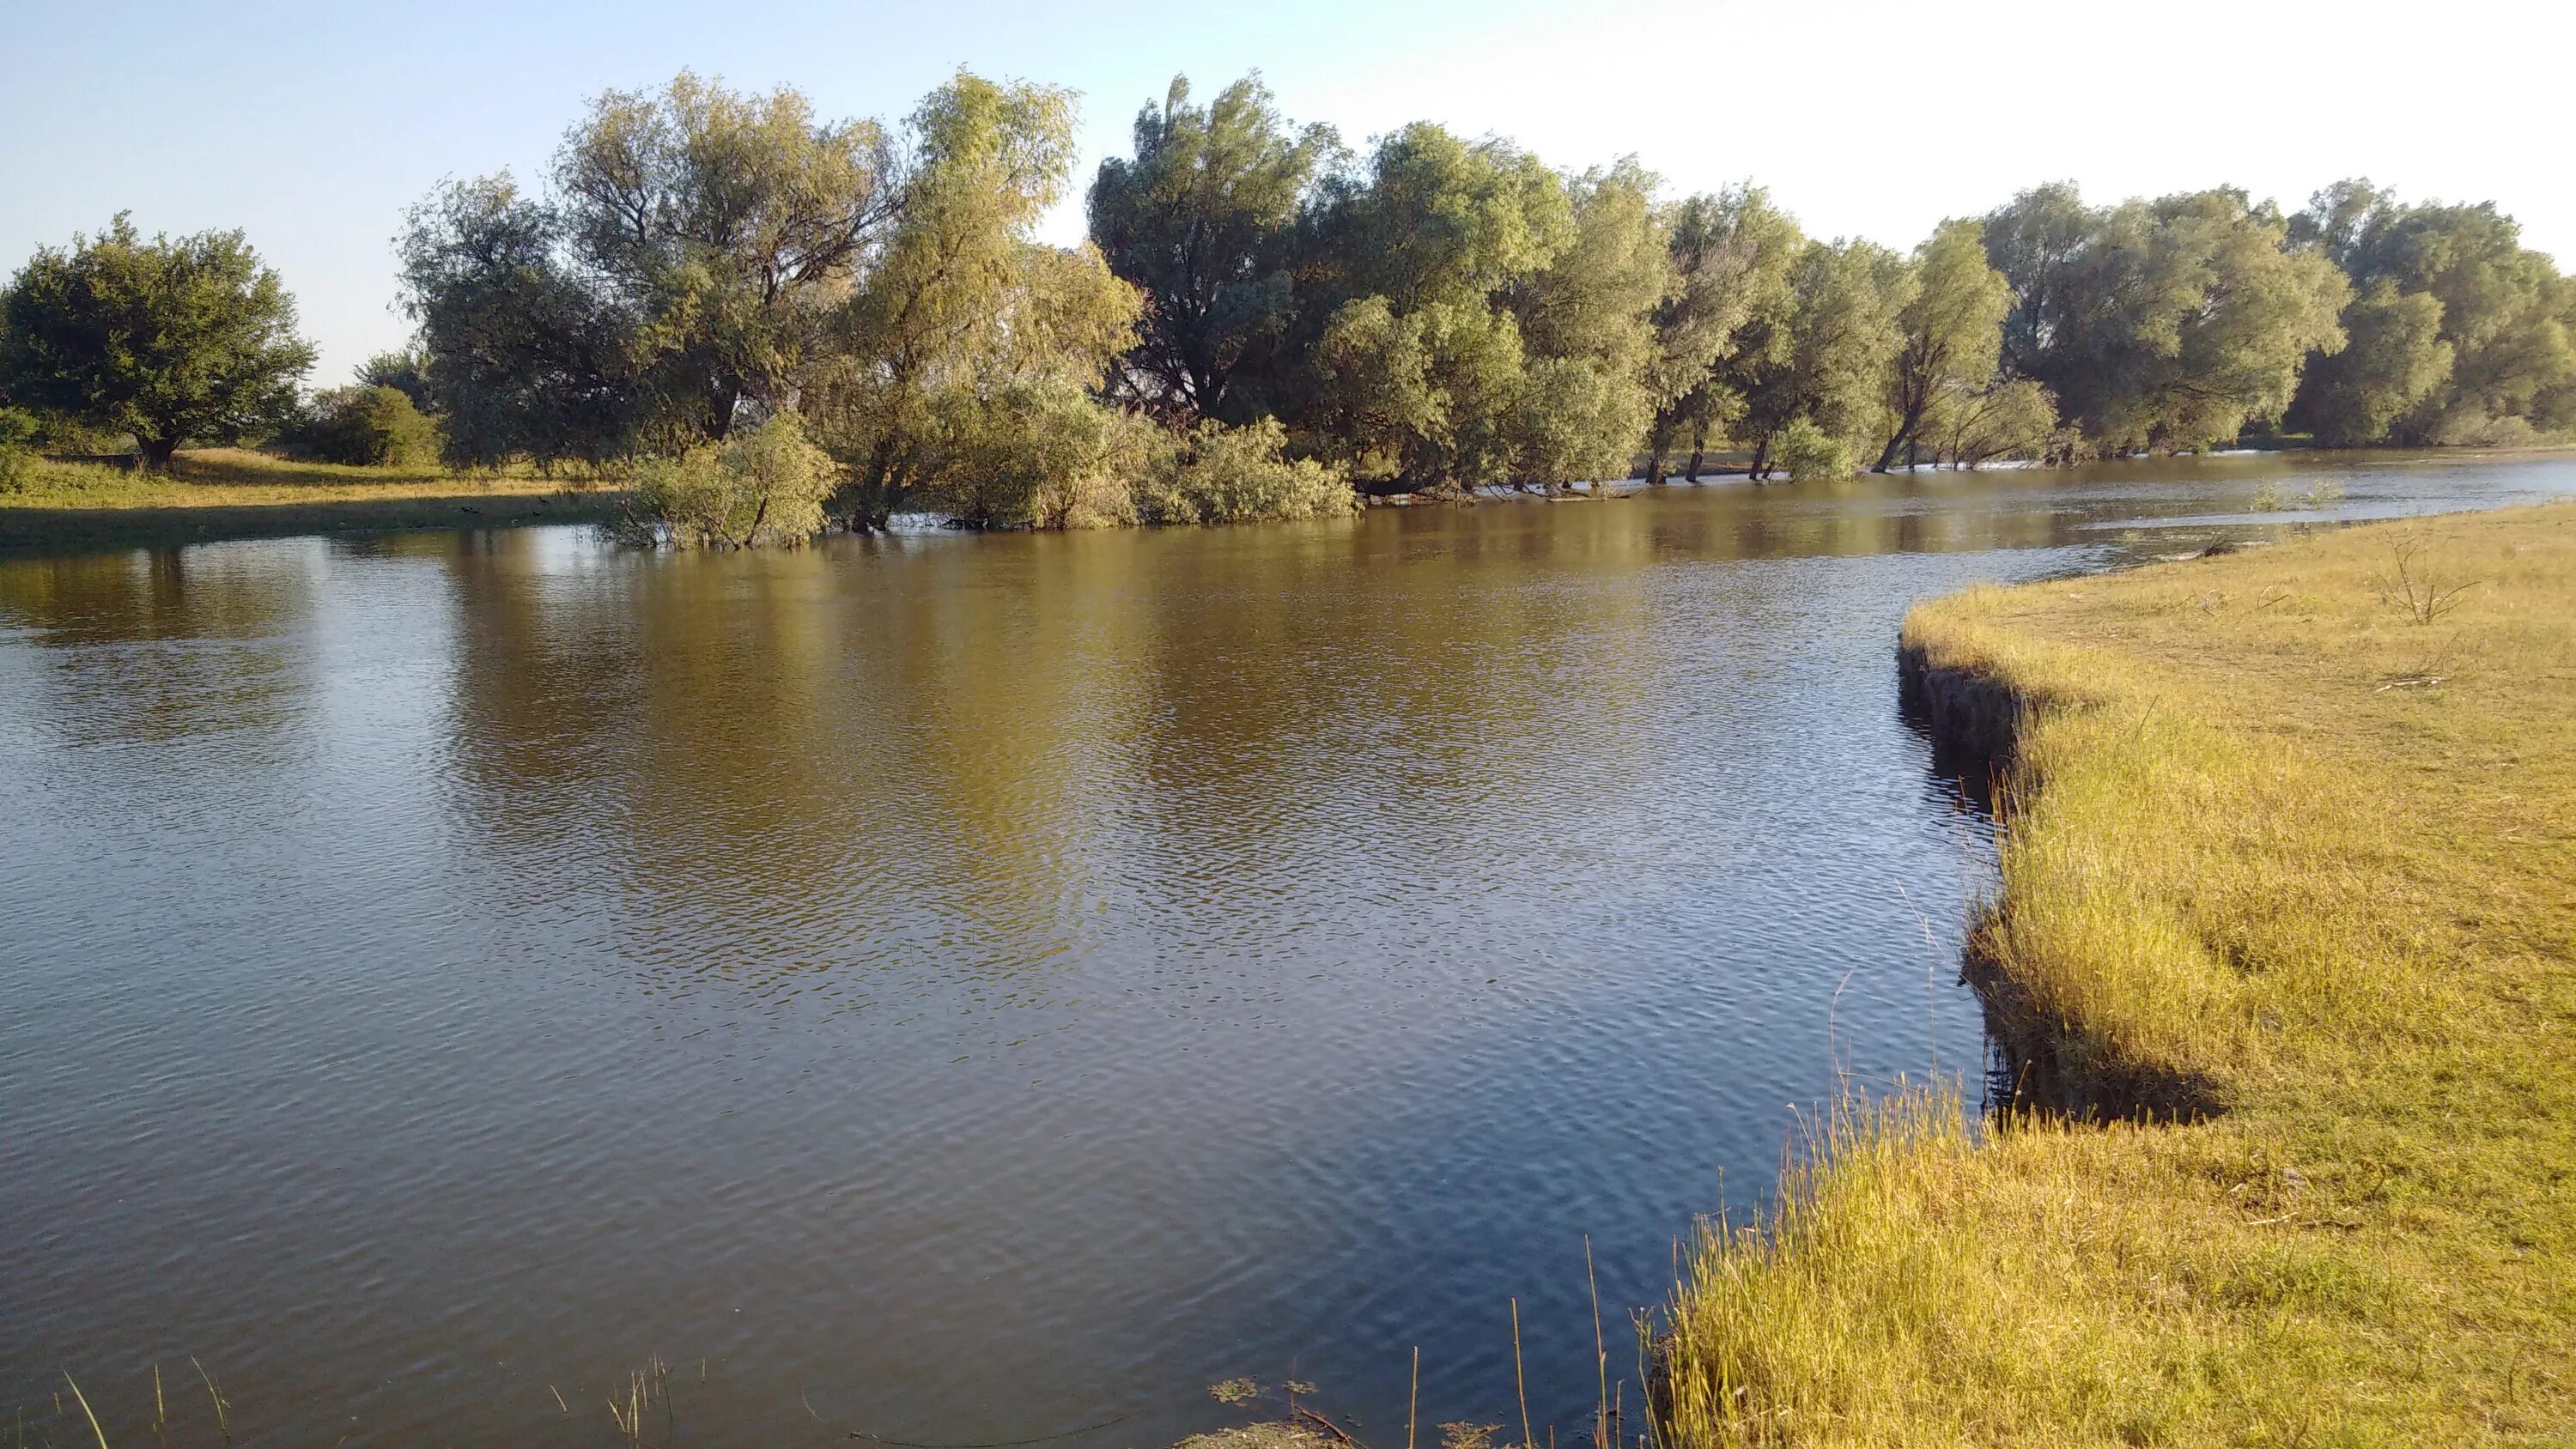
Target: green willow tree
<point>1479,320</point>
<point>1729,305</point>
<point>1202,220</point>
<point>2038,241</point>
<point>2010,417</point>
<point>679,277</point>
<point>1260,318</point>
<point>705,261</point>
<point>1953,334</point>
<point>2458,333</point>
<point>1590,381</point>
<point>1414,379</point>
<point>175,342</point>
<point>2166,325</point>
<point>968,341</point>
<point>1844,331</point>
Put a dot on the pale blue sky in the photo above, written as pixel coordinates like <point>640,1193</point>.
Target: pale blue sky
<point>313,126</point>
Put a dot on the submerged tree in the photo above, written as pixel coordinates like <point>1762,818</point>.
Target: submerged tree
<point>761,486</point>
<point>2455,326</point>
<point>706,261</point>
<point>964,312</point>
<point>1729,303</point>
<point>1479,319</point>
<point>1844,331</point>
<point>185,341</point>
<point>1590,371</point>
<point>2163,325</point>
<point>1202,222</point>
<point>679,276</point>
<point>1420,365</point>
<point>2008,418</point>
<point>1953,334</point>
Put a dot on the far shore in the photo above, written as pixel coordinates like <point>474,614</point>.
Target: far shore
<point>230,493</point>
<point>216,494</point>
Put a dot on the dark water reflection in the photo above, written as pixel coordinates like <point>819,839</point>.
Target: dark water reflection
<point>975,987</point>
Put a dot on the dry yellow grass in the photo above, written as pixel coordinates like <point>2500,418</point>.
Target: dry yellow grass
<point>235,493</point>
<point>2280,850</point>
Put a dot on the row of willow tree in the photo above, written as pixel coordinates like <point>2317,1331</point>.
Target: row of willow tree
<point>1447,312</point>
<point>1264,322</point>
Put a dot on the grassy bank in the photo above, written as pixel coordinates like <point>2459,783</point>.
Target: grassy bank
<point>2291,861</point>
<point>233,493</point>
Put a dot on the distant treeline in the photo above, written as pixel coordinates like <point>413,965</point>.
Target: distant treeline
<point>1265,322</point>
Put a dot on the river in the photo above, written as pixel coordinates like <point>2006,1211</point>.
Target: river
<point>967,989</point>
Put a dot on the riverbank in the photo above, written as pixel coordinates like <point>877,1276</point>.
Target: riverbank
<point>2287,900</point>
<point>219,493</point>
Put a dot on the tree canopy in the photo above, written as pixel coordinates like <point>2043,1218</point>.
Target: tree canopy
<point>1830,368</point>
<point>2455,327</point>
<point>1725,317</point>
<point>2163,324</point>
<point>1952,329</point>
<point>704,260</point>
<point>680,274</point>
<point>185,341</point>
<point>1202,221</point>
<point>1261,316</point>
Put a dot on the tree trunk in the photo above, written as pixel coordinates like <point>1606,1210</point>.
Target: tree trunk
<point>1655,467</point>
<point>156,452</point>
<point>1762,459</point>
<point>1907,427</point>
<point>1699,450</point>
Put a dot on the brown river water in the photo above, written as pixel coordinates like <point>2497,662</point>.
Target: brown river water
<point>975,989</point>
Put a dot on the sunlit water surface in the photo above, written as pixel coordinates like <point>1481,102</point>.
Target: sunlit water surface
<point>969,989</point>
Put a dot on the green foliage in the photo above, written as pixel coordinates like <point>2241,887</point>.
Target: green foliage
<point>1219,474</point>
<point>1805,450</point>
<point>17,448</point>
<point>1415,378</point>
<point>1843,334</point>
<point>2162,325</point>
<point>1201,221</point>
<point>175,342</point>
<point>1953,333</point>
<point>1040,453</point>
<point>2455,325</point>
<point>963,311</point>
<point>1443,221</point>
<point>705,257</point>
<point>2393,361</point>
<point>1377,408</point>
<point>762,486</point>
<point>526,355</point>
<point>1588,389</point>
<point>2012,418</point>
<point>1495,322</point>
<point>363,425</point>
<point>2039,241</point>
<point>1421,399</point>
<point>405,371</point>
<point>47,431</point>
<point>1725,318</point>
<point>1444,315</point>
<point>683,270</point>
